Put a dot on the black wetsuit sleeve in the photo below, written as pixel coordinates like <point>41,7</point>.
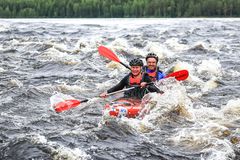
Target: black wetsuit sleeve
<point>151,87</point>
<point>119,86</point>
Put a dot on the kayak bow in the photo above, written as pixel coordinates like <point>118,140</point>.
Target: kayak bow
<point>123,107</point>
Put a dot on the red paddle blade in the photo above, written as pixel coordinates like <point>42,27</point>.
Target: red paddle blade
<point>66,105</point>
<point>179,75</point>
<point>108,53</point>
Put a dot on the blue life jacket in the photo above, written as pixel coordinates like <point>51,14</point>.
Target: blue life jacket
<point>155,75</point>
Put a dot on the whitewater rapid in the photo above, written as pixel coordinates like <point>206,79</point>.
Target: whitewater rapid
<point>194,119</point>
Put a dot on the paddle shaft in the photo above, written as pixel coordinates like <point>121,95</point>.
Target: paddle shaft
<point>125,65</point>
<point>112,93</point>
<point>120,91</point>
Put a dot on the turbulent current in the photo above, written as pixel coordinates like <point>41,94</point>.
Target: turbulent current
<point>198,118</point>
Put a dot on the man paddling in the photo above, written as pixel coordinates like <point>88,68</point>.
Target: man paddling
<point>152,69</point>
<point>135,78</point>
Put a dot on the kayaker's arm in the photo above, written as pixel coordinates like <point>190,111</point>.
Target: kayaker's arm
<point>119,86</point>
<point>151,87</point>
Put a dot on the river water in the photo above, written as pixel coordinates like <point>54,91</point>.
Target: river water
<point>194,119</point>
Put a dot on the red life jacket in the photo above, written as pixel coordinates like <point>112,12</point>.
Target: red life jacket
<point>135,81</point>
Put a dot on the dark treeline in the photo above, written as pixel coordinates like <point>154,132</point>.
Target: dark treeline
<point>118,8</point>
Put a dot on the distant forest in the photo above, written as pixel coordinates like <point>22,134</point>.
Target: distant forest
<point>118,8</point>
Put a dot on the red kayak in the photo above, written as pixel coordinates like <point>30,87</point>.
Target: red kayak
<point>126,107</point>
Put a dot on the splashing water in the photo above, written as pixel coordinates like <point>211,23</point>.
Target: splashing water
<point>194,119</point>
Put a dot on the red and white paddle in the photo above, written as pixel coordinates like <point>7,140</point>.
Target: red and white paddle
<point>60,103</point>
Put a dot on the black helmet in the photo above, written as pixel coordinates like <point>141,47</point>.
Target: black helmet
<point>136,62</point>
<point>152,55</point>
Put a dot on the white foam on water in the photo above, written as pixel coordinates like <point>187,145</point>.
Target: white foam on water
<point>234,73</point>
<point>55,55</point>
<point>175,46</point>
<point>87,44</point>
<point>211,66</point>
<point>164,107</point>
<point>47,89</point>
<point>195,95</point>
<point>81,43</point>
<point>207,134</point>
<point>205,137</point>
<point>119,44</point>
<point>106,84</point>
<point>223,117</point>
<point>216,47</point>
<point>183,65</point>
<point>219,150</point>
<point>207,113</point>
<point>75,131</point>
<point>14,42</point>
<point>140,125</point>
<point>115,65</point>
<point>137,52</point>
<point>4,27</point>
<point>114,74</point>
<point>209,85</point>
<point>16,82</point>
<point>2,70</point>
<point>120,47</point>
<point>215,129</point>
<point>58,46</point>
<point>6,100</point>
<point>232,109</point>
<point>157,108</point>
<point>195,80</point>
<point>159,49</point>
<point>63,87</point>
<point>199,45</point>
<point>70,154</point>
<point>73,88</point>
<point>61,47</point>
<point>39,139</point>
<point>59,151</point>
